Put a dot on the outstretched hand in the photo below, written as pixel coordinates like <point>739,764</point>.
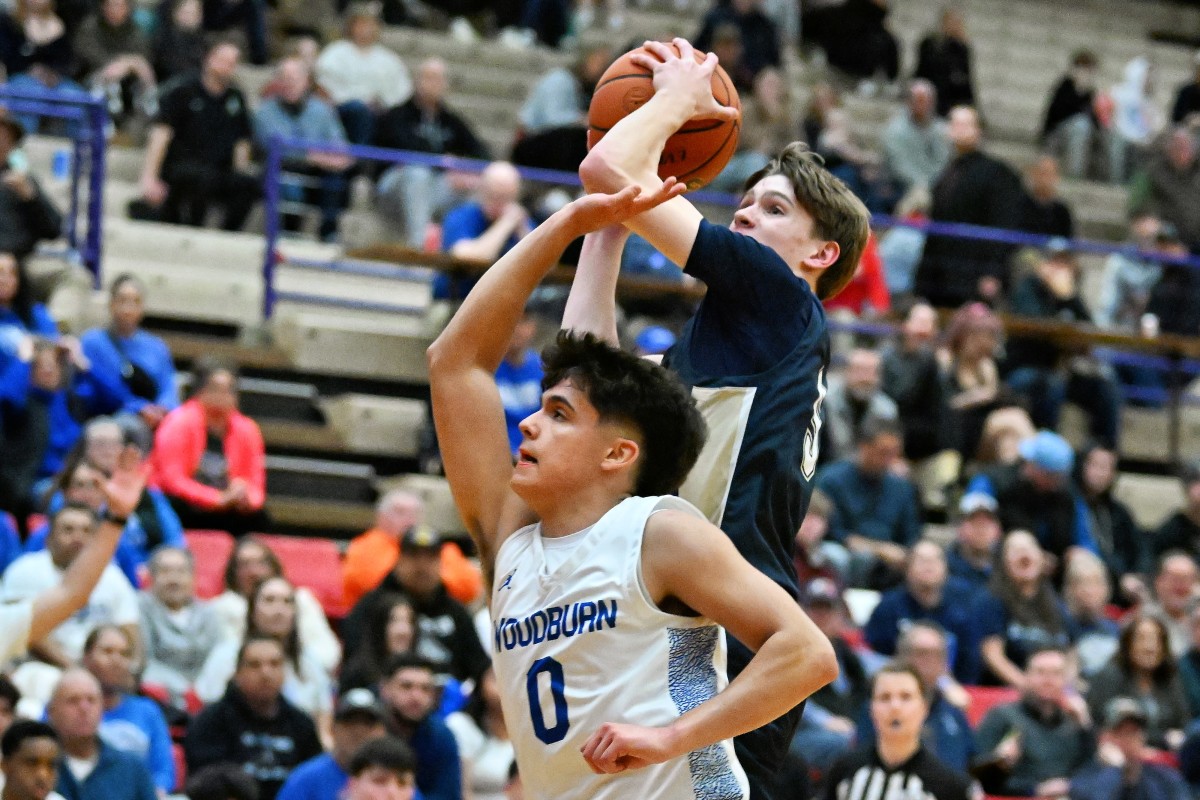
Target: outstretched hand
<point>124,489</point>
<point>616,747</point>
<point>683,75</point>
<point>595,211</point>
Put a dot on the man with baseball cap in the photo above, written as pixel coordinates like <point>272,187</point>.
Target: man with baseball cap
<point>977,537</point>
<point>1120,769</point>
<point>26,215</point>
<point>357,719</point>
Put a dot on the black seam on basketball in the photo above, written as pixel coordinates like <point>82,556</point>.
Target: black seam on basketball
<point>624,76</point>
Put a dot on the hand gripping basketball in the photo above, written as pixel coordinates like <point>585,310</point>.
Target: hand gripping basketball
<point>685,71</point>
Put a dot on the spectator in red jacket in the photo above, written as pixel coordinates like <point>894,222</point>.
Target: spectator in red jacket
<point>209,458</point>
<point>867,293</point>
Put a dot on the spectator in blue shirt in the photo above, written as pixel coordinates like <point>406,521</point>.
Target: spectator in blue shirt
<point>20,314</point>
<point>1121,770</point>
<point>519,379</point>
<point>972,554</point>
<point>297,114</point>
<point>136,361</point>
<point>92,769</point>
<point>357,719</point>
<point>928,593</point>
<point>485,228</point>
<point>131,724</point>
<point>876,512</point>
<point>409,695</point>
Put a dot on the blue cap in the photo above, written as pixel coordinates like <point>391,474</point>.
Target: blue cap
<point>654,340</point>
<point>1049,451</point>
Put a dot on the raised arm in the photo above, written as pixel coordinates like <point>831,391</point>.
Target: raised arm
<point>592,304</point>
<point>628,154</point>
<point>467,411</point>
<point>792,658</point>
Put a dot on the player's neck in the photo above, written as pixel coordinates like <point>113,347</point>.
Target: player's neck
<point>579,511</point>
<point>895,752</point>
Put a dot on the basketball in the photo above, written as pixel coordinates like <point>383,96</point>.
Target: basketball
<point>697,151</point>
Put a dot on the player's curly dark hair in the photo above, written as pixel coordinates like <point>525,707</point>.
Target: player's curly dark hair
<point>629,389</point>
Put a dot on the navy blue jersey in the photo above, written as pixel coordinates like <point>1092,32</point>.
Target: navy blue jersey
<point>755,354</point>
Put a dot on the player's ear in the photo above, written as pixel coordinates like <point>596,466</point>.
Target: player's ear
<point>622,454</point>
<point>826,255</point>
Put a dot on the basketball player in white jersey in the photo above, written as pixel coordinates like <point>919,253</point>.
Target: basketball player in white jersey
<point>608,613</point>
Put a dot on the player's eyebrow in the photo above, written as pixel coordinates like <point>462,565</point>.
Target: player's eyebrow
<point>559,399</point>
<point>780,196</point>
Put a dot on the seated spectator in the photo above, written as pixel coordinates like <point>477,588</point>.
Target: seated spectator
<point>91,768</point>
<point>1168,184</point>
<point>1121,768</point>
<point>912,377</point>
<point>1119,539</point>
<point>1019,613</point>
<point>130,723</point>
<point>1144,670</point>
<point>866,294</point>
<point>1037,494</point>
<point>923,646</point>
<point>1168,310</point>
<point>1043,210</point>
<point>768,126</point>
<point>362,77</point>
<point>299,114</point>
<point>898,756</point>
<point>20,315</point>
<point>152,523</point>
<point>973,386</point>
<point>179,45</point>
<point>1070,125</point>
<point>877,516</point>
<point>1186,107</point>
<point>382,767</point>
<point>357,720</point>
<point>1189,662</point>
<point>27,216</point>
<point>389,630</point>
<point>852,401</point>
<point>972,554</point>
<point>251,563</point>
<point>113,59</point>
<point>928,593</point>
<point>248,19</point>
<point>178,630</point>
<point>198,153</point>
<point>30,764</point>
<point>730,51</point>
<point>35,51</point>
<point>1086,593</point>
<point>137,360</point>
<point>271,612</point>
<point>815,554</point>
<point>485,228</point>
<point>1000,446</point>
<point>1129,276</point>
<point>221,781</point>
<point>1137,118</point>
<point>553,118</point>
<point>253,725</point>
<point>42,390</point>
<point>1050,375</point>
<point>855,38</point>
<point>445,633</point>
<point>1181,530</point>
<point>1031,746</point>
<point>408,692</point>
<point>975,189</point>
<point>415,194</point>
<point>916,145</point>
<point>483,741</point>
<point>832,135</point>
<point>209,458</point>
<point>112,601</point>
<point>944,59</point>
<point>900,246</point>
<point>827,727</point>
<point>760,38</point>
<point>370,556</point>
<point>1175,587</point>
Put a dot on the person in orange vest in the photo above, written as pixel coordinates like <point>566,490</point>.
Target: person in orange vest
<point>371,555</point>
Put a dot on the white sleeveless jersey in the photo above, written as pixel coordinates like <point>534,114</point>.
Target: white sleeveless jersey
<point>583,644</point>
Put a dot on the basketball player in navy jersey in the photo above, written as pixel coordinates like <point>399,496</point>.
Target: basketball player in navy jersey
<point>757,349</point>
<point>608,652</point>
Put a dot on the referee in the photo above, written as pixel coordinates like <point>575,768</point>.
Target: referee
<point>897,766</point>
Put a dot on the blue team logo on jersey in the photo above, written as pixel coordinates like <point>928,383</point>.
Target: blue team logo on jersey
<point>507,582</point>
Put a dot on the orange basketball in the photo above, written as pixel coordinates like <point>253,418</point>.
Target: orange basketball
<point>697,151</point>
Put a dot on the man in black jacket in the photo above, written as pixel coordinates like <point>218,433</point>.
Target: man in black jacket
<point>253,725</point>
<point>26,215</point>
<point>975,189</point>
<point>415,193</point>
<point>445,631</point>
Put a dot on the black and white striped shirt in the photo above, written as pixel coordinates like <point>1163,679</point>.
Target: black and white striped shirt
<point>863,776</point>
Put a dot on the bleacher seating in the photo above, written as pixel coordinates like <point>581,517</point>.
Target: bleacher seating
<point>314,564</point>
<point>982,699</point>
<point>211,551</point>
